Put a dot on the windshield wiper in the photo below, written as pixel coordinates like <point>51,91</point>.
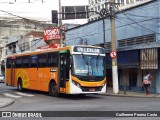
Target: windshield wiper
<point>86,62</point>
<point>97,61</point>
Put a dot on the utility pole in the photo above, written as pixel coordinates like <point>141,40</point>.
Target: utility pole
<point>60,24</point>
<point>113,47</point>
<point>111,12</point>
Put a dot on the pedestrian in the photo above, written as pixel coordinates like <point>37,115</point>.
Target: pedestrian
<point>147,82</point>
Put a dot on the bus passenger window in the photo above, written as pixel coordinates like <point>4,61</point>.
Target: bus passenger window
<point>18,62</point>
<point>26,62</point>
<point>34,61</point>
<point>53,59</point>
<point>42,60</point>
<point>9,61</point>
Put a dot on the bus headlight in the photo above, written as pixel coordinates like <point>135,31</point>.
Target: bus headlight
<point>75,83</point>
<point>103,84</point>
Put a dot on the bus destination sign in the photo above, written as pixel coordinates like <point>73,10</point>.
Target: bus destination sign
<point>88,50</point>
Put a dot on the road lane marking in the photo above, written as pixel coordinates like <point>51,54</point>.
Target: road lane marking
<point>11,95</point>
<point>24,94</point>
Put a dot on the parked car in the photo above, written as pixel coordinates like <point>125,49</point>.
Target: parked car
<point>1,78</point>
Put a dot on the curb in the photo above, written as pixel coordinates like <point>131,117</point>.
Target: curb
<point>10,101</point>
<point>125,95</point>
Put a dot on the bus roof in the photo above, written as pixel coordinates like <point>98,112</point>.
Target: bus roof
<point>48,50</point>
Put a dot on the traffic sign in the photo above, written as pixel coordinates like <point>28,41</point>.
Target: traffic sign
<point>113,54</point>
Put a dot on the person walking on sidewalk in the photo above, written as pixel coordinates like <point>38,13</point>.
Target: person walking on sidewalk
<point>147,82</point>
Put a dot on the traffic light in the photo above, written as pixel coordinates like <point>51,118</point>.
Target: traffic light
<point>54,16</point>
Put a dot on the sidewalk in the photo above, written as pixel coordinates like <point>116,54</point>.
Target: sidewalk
<point>5,101</point>
<point>131,94</point>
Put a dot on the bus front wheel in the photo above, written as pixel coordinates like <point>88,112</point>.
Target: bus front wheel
<point>19,85</point>
<point>53,89</point>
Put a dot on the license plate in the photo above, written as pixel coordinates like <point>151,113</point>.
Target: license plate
<point>92,90</point>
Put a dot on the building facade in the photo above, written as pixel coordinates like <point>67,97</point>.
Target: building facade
<point>98,5</point>
<point>138,44</point>
<point>18,35</point>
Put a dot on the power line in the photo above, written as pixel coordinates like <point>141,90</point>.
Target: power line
<point>39,39</point>
<point>42,37</point>
<point>27,19</point>
<point>142,16</point>
<point>137,23</point>
<point>130,24</point>
<point>151,6</point>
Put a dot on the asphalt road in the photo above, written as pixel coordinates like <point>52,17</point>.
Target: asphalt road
<point>40,101</point>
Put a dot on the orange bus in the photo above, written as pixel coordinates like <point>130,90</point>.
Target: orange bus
<point>69,70</point>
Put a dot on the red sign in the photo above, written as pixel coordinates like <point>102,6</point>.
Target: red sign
<point>54,45</point>
<point>113,54</point>
<point>52,34</point>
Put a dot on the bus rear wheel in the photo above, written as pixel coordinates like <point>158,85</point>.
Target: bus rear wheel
<point>53,89</point>
<point>19,85</point>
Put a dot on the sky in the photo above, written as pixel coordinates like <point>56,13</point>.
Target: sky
<point>36,9</point>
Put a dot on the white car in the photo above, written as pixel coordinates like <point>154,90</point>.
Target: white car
<point>1,79</point>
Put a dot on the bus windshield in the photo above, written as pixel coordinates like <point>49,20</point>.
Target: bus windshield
<point>88,65</point>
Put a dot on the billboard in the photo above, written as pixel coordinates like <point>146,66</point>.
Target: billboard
<point>53,45</point>
<point>52,34</point>
<point>74,12</point>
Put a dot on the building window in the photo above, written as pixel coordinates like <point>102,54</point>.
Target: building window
<point>10,47</point>
<point>99,8</point>
<point>106,5</point>
<point>14,48</point>
<point>103,6</point>
<point>121,2</point>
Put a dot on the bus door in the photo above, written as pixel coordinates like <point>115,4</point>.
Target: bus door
<point>63,70</point>
<point>12,71</point>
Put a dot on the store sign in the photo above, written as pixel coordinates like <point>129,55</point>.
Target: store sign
<point>89,50</point>
<point>52,34</point>
<point>54,45</point>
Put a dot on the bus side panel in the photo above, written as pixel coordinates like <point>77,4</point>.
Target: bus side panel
<point>48,74</point>
<point>28,77</point>
<point>43,78</point>
<point>8,76</point>
<point>67,87</point>
<point>33,79</point>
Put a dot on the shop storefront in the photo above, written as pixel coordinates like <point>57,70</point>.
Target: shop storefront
<point>131,67</point>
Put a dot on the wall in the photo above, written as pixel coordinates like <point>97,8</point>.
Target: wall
<point>138,21</point>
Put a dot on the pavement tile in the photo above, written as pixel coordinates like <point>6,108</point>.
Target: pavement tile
<point>131,94</point>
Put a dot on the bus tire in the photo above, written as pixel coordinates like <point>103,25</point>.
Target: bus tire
<point>53,89</point>
<point>19,85</point>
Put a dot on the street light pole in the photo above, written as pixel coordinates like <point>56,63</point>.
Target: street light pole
<point>60,23</point>
<point>104,37</point>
